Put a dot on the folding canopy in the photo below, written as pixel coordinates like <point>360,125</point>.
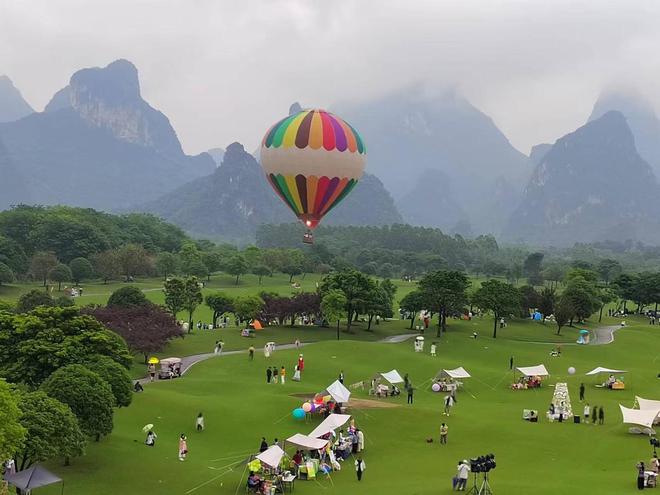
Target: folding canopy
<point>459,372</point>
<point>641,417</point>
<point>272,456</point>
<point>538,370</point>
<point>338,392</point>
<point>600,369</point>
<point>31,478</point>
<point>392,376</point>
<point>647,404</point>
<point>305,442</point>
<point>331,423</point>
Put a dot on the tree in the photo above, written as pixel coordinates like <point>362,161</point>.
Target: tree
<point>377,303</point>
<point>583,296</point>
<point>81,269</point>
<point>60,273</point>
<point>33,299</point>
<point>12,434</point>
<point>498,297</point>
<point>41,264</point>
<point>167,264</point>
<point>625,285</point>
<point>530,299</point>
<point>192,297</point>
<point>564,312</point>
<point>128,296</point>
<point>146,329</point>
<point>174,295</point>
<point>353,284</point>
<point>333,306</point>
<point>6,274</point>
<point>87,394</point>
<point>446,292</point>
<point>220,303</point>
<point>106,265</point>
<point>237,266</point>
<point>547,301</point>
<point>532,268</point>
<point>247,308</point>
<point>261,271</point>
<point>115,375</point>
<point>606,296</point>
<point>608,269</point>
<point>412,303</point>
<point>132,260</point>
<point>52,430</point>
<point>292,269</point>
<point>252,255</point>
<point>33,346</point>
<point>213,262</point>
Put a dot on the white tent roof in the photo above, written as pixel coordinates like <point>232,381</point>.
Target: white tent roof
<point>331,423</point>
<point>641,417</point>
<point>271,456</point>
<point>392,376</point>
<point>600,369</point>
<point>338,392</point>
<point>646,404</point>
<point>538,370</point>
<point>459,372</point>
<point>307,443</point>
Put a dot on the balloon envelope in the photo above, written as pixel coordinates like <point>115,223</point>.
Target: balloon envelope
<point>571,370</point>
<point>435,387</point>
<point>298,413</point>
<point>312,159</point>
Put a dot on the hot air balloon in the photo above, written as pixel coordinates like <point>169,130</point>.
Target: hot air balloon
<point>313,159</point>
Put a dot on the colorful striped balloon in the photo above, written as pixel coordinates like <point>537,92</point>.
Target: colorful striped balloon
<point>313,159</point>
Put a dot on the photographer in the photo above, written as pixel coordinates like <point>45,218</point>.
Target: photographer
<point>463,471</point>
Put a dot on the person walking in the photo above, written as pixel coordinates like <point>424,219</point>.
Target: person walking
<point>360,466</point>
<point>444,429</point>
<point>183,447</point>
<point>296,374</point>
<point>275,373</point>
<point>341,377</point>
<point>587,409</point>
<point>360,435</point>
<point>269,374</point>
<point>301,363</point>
<point>264,445</point>
<point>581,392</point>
<point>251,352</point>
<point>449,402</point>
<point>216,349</point>
<point>282,375</point>
<point>406,381</point>
<point>594,415</point>
<point>152,372</point>
<point>411,390</point>
<point>151,439</point>
<point>462,474</point>
<point>501,322</point>
<point>200,422</point>
<point>297,344</point>
<point>433,349</point>
<point>221,344</point>
<point>640,475</point>
<point>601,416</point>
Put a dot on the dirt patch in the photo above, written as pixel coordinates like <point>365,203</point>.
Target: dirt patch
<point>356,403</point>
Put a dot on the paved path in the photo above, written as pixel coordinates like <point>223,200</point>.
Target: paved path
<point>188,362</point>
<point>605,335</point>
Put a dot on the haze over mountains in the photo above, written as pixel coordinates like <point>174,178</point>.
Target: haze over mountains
<point>433,160</point>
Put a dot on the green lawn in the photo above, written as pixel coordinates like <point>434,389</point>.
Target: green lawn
<point>240,407</point>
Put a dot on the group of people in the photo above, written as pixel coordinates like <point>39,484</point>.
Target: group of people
<point>596,414</point>
<point>273,374</point>
<point>646,473</point>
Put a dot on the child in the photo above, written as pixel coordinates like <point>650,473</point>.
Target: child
<point>183,447</point>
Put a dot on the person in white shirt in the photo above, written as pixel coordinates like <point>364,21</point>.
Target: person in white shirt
<point>463,471</point>
<point>587,411</point>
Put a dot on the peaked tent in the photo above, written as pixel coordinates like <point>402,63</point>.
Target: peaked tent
<point>272,456</point>
<point>641,417</point>
<point>33,477</point>
<point>457,373</point>
<point>338,392</point>
<point>538,370</point>
<point>306,442</point>
<point>331,423</point>
<point>600,369</point>
<point>647,404</point>
<point>392,376</point>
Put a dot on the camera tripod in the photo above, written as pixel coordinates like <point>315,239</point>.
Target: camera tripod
<point>484,489</point>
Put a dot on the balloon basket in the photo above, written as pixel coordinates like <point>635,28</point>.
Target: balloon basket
<point>308,238</point>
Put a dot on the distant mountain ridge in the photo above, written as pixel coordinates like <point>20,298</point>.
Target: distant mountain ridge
<point>12,104</point>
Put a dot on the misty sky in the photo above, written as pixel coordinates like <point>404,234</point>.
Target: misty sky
<point>225,70</point>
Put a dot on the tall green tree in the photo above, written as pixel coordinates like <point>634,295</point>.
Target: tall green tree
<point>499,298</point>
<point>52,431</point>
<point>133,260</point>
<point>583,295</point>
<point>247,308</point>
<point>353,284</point>
<point>192,297</point>
<point>6,274</point>
<point>33,299</point>
<point>81,269</point>
<point>547,300</point>
<point>564,312</point>
<point>532,268</point>
<point>106,265</point>
<point>333,306</point>
<point>261,271</point>
<point>174,295</point>
<point>128,296</point>
<point>236,266</point>
<point>60,273</point>
<point>12,434</point>
<point>608,269</point>
<point>605,296</point>
<point>413,302</point>
<point>446,290</point>
<point>41,264</point>
<point>87,394</point>
<point>114,375</point>
<point>220,303</point>
<point>167,264</point>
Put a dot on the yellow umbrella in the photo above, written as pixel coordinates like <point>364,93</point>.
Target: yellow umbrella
<point>153,360</point>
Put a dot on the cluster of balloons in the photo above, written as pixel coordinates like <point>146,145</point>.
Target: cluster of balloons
<point>298,413</point>
<point>435,387</point>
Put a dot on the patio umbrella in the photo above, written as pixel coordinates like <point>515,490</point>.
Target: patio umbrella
<point>153,360</point>
<point>147,428</point>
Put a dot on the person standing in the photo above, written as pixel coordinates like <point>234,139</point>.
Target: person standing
<point>151,439</point>
<point>510,362</point>
<point>654,465</point>
<point>275,373</point>
<point>360,435</point>
<point>183,447</point>
<point>594,415</point>
<point>601,416</point>
<point>282,375</point>
<point>297,344</point>
<point>341,377</point>
<point>264,445</point>
<point>640,475</point>
<point>586,413</point>
<point>269,374</point>
<point>360,466</point>
<point>581,392</point>
<point>251,352</point>
<point>200,422</point>
<point>221,344</point>
<point>406,381</point>
<point>410,393</point>
<point>501,322</point>
<point>301,363</point>
<point>444,430</point>
<point>433,349</point>
<point>152,372</point>
<point>449,402</point>
<point>296,374</point>
<point>462,474</point>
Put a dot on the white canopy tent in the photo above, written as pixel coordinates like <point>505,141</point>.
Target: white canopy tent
<point>538,370</point>
<point>393,377</point>
<point>272,456</point>
<point>647,404</point>
<point>331,423</point>
<point>338,392</point>
<point>457,373</point>
<point>600,369</point>
<point>641,417</point>
<point>306,442</point>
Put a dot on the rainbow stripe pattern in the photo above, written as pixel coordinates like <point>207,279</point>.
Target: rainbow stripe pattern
<point>313,159</point>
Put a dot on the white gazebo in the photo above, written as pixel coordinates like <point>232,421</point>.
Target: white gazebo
<point>272,456</point>
<point>392,377</point>
<point>538,370</point>
<point>647,404</point>
<point>306,442</point>
<point>640,417</point>
<point>338,392</point>
<point>600,369</point>
<point>331,423</point>
<point>457,373</point>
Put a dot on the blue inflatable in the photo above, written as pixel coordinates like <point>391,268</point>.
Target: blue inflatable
<point>298,413</point>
